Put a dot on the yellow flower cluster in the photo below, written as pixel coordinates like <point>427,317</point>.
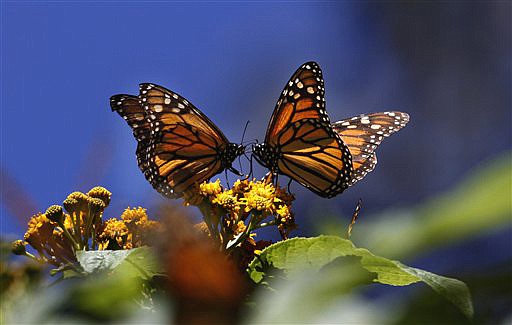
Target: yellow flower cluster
<point>59,232</point>
<point>133,230</point>
<point>233,214</point>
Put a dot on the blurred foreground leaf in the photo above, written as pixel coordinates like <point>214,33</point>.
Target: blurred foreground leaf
<point>298,255</point>
<point>139,262</point>
<point>477,206</point>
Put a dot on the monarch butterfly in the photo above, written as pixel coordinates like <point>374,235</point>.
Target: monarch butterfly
<point>177,145</point>
<point>302,144</point>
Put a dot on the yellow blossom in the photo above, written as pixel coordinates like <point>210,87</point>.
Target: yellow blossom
<point>211,188</point>
<point>226,200</point>
<point>241,186</point>
<point>40,229</point>
<point>283,212</point>
<point>261,197</point>
<point>114,232</point>
<point>134,215</point>
<point>240,228</point>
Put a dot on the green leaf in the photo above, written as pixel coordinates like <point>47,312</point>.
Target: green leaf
<point>139,262</point>
<point>479,205</point>
<point>298,255</point>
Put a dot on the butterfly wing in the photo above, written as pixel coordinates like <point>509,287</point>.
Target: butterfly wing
<point>311,153</point>
<point>128,107</point>
<point>302,98</point>
<point>178,145</point>
<point>181,156</point>
<point>364,133</point>
<point>314,155</point>
<point>165,108</point>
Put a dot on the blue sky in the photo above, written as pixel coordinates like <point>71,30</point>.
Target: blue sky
<point>61,61</point>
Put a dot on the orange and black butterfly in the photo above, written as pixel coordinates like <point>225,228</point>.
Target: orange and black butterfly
<point>177,145</point>
<point>302,144</point>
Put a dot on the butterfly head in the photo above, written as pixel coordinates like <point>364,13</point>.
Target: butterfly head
<point>232,151</point>
<point>265,155</point>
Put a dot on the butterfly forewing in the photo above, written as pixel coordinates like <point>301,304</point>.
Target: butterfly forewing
<point>165,108</point>
<point>364,133</point>
<point>302,98</point>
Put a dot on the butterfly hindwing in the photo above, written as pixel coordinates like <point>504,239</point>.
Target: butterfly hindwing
<point>181,156</point>
<point>314,155</point>
<point>364,133</point>
<point>128,107</point>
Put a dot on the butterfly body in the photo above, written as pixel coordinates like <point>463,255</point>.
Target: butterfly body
<point>177,145</point>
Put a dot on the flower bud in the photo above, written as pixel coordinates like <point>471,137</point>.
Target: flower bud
<point>55,214</point>
<point>96,205</point>
<point>100,193</point>
<point>81,199</point>
<point>18,247</point>
<point>70,204</point>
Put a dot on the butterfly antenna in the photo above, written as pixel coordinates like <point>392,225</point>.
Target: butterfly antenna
<point>245,129</point>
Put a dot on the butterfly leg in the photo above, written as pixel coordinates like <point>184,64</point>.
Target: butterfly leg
<point>289,183</point>
<point>249,176</point>
<point>240,164</point>
<point>227,179</point>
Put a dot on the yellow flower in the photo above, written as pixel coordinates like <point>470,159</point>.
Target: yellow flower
<point>240,228</point>
<point>39,231</point>
<point>114,228</point>
<point>134,215</point>
<point>261,197</point>
<point>210,189</point>
<point>283,212</point>
<point>241,186</point>
<point>226,200</point>
<point>114,232</point>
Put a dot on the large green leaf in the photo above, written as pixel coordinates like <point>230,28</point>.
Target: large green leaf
<point>139,262</point>
<point>479,205</point>
<point>299,255</point>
